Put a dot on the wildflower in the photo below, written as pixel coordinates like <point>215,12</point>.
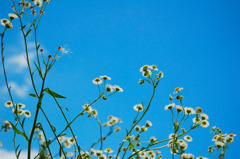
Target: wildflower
<point>153,139</point>
<point>38,3</point>
<point>41,50</point>
<point>198,110</point>
<point>108,150</point>
<point>20,105</point>
<point>9,104</point>
<point>18,111</point>
<point>72,140</point>
<point>204,123</point>
<point>27,113</point>
<point>147,73</point>
<point>170,98</point>
<point>212,129</point>
<point>7,126</point>
<point>141,81</point>
<point>188,138</point>
<point>179,108</point>
<point>61,139</point>
<point>94,112</point>
<point>148,123</point>
<point>138,144</point>
<point>67,144</point>
<point>12,16</point>
<point>176,90</point>
<point>97,81</point>
<point>87,108</point>
<point>144,68</point>
<point>137,128</point>
<point>189,110</point>
<point>92,152</point>
<point>183,145</point>
<point>109,88</point>
<point>98,152</point>
<point>27,4</point>
<point>138,107</point>
<point>169,106</point>
<point>204,116</point>
<point>105,77</point>
<point>127,138</point>
<point>144,128</point>
<point>154,67</point>
<point>117,88</point>
<point>197,120</point>
<point>201,157</point>
<point>60,48</point>
<point>103,156</point>
<point>6,23</point>
<point>69,154</point>
<point>219,144</point>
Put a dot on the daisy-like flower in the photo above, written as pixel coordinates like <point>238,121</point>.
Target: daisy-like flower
<point>144,68</point>
<point>169,106</point>
<point>219,144</point>
<point>212,129</point>
<point>138,107</point>
<point>127,138</point>
<point>178,89</point>
<point>72,140</point>
<point>18,111</point>
<point>27,113</point>
<point>160,74</point>
<point>153,138</point>
<point>104,77</point>
<point>148,123</point>
<point>87,108</point>
<point>38,3</point>
<point>137,128</point>
<point>97,81</point>
<point>147,73</point>
<point>201,157</point>
<point>4,22</point>
<point>109,88</point>
<point>98,152</point>
<point>188,138</point>
<point>204,123</point>
<point>183,145</point>
<point>47,1</point>
<point>20,105</point>
<point>189,110</point>
<point>198,110</point>
<point>196,120</point>
<point>171,136</point>
<point>103,156</point>
<point>61,139</point>
<point>12,16</point>
<point>92,152</point>
<point>154,67</point>
<point>204,116</point>
<point>144,128</point>
<point>117,88</point>
<point>170,98</point>
<point>67,144</point>
<point>94,112</point>
<point>179,108</point>
<point>27,4</point>
<point>69,154</point>
<point>187,156</point>
<point>108,150</point>
<point>9,104</point>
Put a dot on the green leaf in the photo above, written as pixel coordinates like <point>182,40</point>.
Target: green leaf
<point>54,129</point>
<point>39,71</point>
<point>33,95</point>
<point>54,94</point>
<point>64,108</point>
<point>18,131</point>
<point>19,153</point>
<point>23,121</point>
<point>28,32</point>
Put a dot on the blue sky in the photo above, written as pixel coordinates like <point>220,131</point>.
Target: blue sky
<point>195,44</point>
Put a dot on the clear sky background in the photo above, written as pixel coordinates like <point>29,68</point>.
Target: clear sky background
<point>195,43</point>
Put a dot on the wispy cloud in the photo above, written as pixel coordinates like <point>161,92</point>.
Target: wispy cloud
<point>5,154</point>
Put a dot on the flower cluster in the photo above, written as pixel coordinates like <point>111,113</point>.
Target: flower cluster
<point>18,109</point>
<point>147,71</point>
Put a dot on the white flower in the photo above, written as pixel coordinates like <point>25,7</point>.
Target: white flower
<point>20,105</point>
<point>97,81</point>
<point>153,138</point>
<point>38,3</point>
<point>72,140</point>
<point>178,89</point>
<point>94,112</point>
<point>204,123</point>
<point>105,77</point>
<point>204,116</point>
<point>188,138</point>
<point>109,88</point>
<point>169,106</point>
<point>187,156</point>
<point>4,22</point>
<point>98,152</point>
<point>108,150</point>
<point>138,107</point>
<point>196,120</point>
<point>117,88</point>
<point>219,144</point>
<point>179,108</point>
<point>189,110</point>
<point>144,128</point>
<point>201,157</point>
<point>148,123</point>
<point>154,67</point>
<point>18,111</point>
<point>27,113</point>
<point>69,154</point>
<point>9,104</point>
<point>67,144</point>
<point>198,110</point>
<point>144,68</point>
<point>12,16</point>
<point>147,73</point>
<point>87,108</point>
<point>160,74</point>
<point>61,139</point>
<point>183,145</point>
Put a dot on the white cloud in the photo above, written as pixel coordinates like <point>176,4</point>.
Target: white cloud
<point>20,91</point>
<point>5,154</point>
<point>18,63</point>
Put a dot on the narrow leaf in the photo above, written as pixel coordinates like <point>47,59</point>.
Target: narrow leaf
<point>39,71</point>
<point>28,32</point>
<point>54,94</point>
<point>18,131</point>
<point>33,95</point>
